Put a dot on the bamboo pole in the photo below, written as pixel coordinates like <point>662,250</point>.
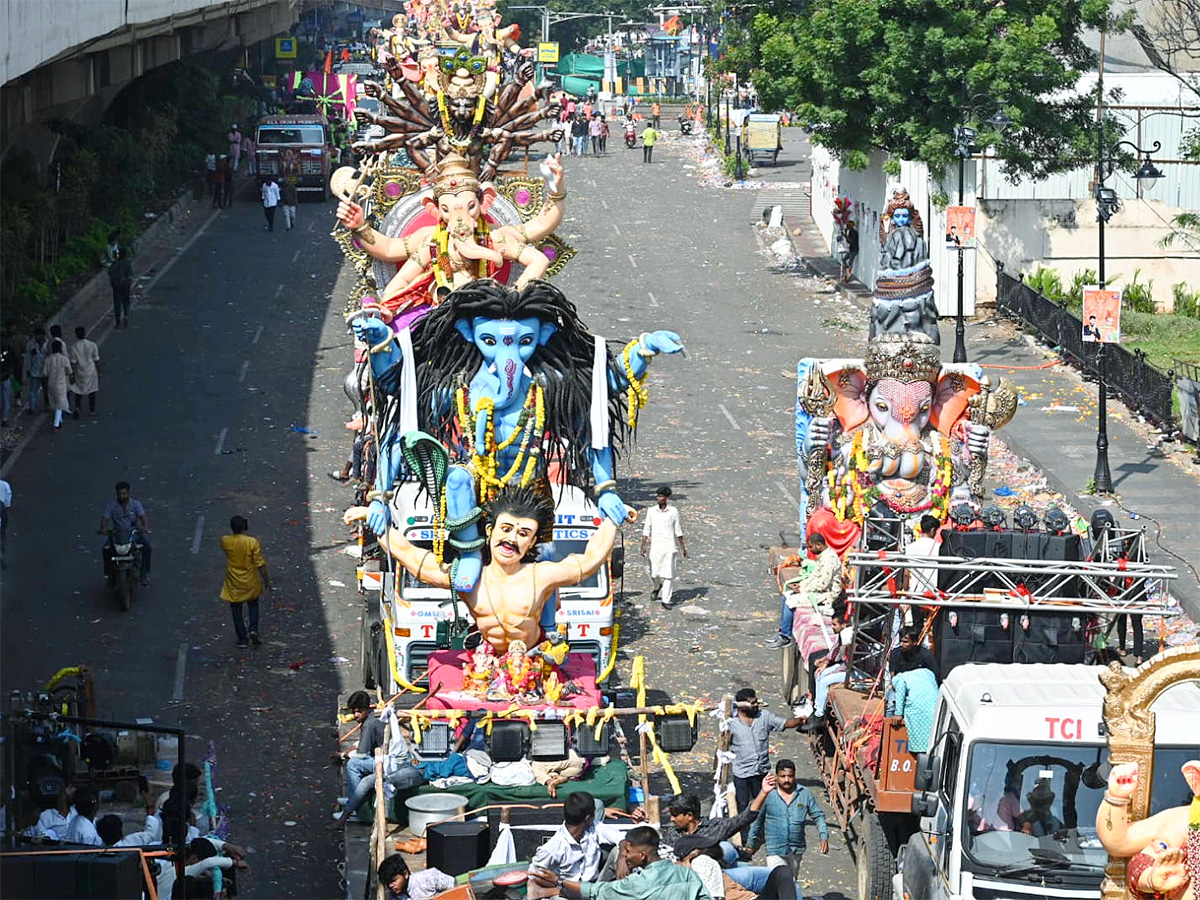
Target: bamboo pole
<point>379,832</point>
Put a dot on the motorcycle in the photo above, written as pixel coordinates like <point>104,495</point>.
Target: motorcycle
<point>630,135</point>
<point>685,125</point>
<point>123,564</point>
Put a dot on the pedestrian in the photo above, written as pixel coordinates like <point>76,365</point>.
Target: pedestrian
<point>594,134</point>
<point>234,138</point>
<point>120,276</point>
<point>818,589</point>
<point>655,115</point>
<point>749,735</point>
<point>218,194</point>
<point>245,577</point>
<point>123,515</point>
<point>783,817</point>
<point>270,199</point>
<point>289,198</point>
<point>227,187</point>
<point>58,378</point>
<point>85,363</point>
<point>210,168</point>
<point>10,364</point>
<point>5,506</point>
<point>579,130</point>
<point>36,350</point>
<point>649,136</point>
<point>250,154</point>
<point>850,234</point>
<point>111,249</point>
<point>603,134</point>
<point>661,531</point>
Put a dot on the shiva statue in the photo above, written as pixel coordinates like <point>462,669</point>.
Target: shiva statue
<point>903,301</point>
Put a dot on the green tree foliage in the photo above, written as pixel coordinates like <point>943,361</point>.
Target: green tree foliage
<point>899,75</point>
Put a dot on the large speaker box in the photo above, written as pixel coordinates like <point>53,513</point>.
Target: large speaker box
<point>1052,637</point>
<point>457,847</point>
<point>978,636</point>
<point>83,876</point>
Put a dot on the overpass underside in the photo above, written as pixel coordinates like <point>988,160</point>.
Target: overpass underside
<point>70,58</point>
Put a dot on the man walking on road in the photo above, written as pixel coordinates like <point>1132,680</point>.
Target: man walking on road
<point>5,506</point>
<point>749,733</point>
<point>660,532</point>
<point>120,276</point>
<point>289,198</point>
<point>649,136</point>
<point>270,200</point>
<point>783,817</point>
<point>245,577</point>
<point>85,363</point>
<point>37,348</point>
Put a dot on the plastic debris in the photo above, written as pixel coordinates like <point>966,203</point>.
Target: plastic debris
<point>1005,491</point>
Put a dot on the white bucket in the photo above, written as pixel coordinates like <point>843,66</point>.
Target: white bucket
<point>426,809</point>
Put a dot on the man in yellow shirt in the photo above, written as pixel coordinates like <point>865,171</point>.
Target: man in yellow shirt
<point>245,577</point>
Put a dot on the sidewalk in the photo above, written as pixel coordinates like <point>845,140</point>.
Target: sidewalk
<point>1055,429</point>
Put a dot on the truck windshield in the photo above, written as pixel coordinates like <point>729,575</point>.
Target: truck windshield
<point>291,134</point>
<point>1032,807</point>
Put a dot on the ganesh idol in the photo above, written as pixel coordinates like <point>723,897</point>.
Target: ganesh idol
<point>896,427</point>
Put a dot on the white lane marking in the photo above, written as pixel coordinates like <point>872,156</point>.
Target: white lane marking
<point>221,441</point>
<point>312,225</point>
<point>605,205</point>
<point>258,333</point>
<point>783,490</point>
<point>653,300</point>
<point>732,420</point>
<point>180,670</point>
<point>278,291</point>
<point>616,228</point>
<point>632,261</point>
<point>242,374</point>
<point>199,534</point>
<point>295,256</point>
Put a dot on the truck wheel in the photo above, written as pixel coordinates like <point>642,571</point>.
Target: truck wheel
<point>790,670</point>
<point>383,670</point>
<point>365,655</point>
<point>874,859</point>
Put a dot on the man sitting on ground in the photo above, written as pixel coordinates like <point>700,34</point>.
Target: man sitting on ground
<point>659,879</point>
<point>394,875</point>
<point>573,851</point>
<point>81,830</point>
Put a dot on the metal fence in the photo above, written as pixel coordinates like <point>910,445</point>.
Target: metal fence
<point>1187,383</point>
<point>1128,374</point>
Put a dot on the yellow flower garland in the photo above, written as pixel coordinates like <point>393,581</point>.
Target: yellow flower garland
<point>638,395</point>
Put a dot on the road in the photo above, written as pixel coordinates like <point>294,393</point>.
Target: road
<point>243,339</point>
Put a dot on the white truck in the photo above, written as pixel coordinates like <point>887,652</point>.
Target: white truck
<point>401,629</point>
<point>1009,790</point>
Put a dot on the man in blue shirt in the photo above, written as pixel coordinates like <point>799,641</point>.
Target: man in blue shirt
<point>783,817</point>
<point>124,514</point>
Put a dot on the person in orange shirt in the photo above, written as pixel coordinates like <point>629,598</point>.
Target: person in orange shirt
<point>245,577</point>
<point>655,113</point>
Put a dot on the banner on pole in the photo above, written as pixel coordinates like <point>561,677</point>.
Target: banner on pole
<point>285,47</point>
<point>960,228</point>
<point>1101,315</point>
<point>547,52</point>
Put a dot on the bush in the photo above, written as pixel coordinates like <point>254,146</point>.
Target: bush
<point>1187,301</point>
<point>1047,283</point>
<point>1139,297</point>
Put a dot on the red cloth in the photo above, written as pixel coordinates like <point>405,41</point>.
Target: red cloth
<point>446,667</point>
<point>841,536</point>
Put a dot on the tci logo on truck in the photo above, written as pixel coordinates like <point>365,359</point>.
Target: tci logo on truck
<point>1065,729</point>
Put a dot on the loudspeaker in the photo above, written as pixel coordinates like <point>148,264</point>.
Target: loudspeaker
<point>457,847</point>
<point>547,814</point>
<point>972,636</point>
<point>549,741</point>
<point>507,741</point>
<point>435,741</point>
<point>1051,637</point>
<point>967,545</point>
<point>675,733</point>
<point>587,744</point>
<point>84,876</point>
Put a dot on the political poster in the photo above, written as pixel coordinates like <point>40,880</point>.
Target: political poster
<point>960,228</point>
<point>1101,315</point>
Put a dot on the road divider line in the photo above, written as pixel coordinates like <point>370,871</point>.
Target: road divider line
<point>278,291</point>
<point>605,205</point>
<point>197,535</point>
<point>242,374</point>
<point>653,299</point>
<point>791,498</point>
<point>726,413</point>
<point>180,671</point>
<point>257,333</point>
<point>616,228</point>
<point>632,261</point>
<point>312,225</point>
<point>295,256</point>
<point>221,441</point>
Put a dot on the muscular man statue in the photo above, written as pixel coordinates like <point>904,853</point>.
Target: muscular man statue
<point>507,601</point>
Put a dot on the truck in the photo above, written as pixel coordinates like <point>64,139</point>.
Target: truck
<point>296,147</point>
<point>408,620</point>
<point>1014,623</point>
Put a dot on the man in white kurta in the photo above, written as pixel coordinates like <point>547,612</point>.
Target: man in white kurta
<point>660,533</point>
<point>85,357</point>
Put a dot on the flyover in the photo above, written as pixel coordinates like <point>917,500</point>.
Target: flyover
<point>70,58</point>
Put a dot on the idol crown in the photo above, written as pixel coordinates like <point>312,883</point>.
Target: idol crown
<point>905,357</point>
<point>454,175</point>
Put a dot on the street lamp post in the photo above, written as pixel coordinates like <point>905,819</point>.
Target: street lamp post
<point>964,143</point>
<point>1107,204</point>
<point>726,124</point>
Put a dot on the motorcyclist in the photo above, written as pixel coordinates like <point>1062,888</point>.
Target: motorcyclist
<point>125,514</point>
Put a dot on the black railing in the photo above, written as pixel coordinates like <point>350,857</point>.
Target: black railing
<point>1128,374</point>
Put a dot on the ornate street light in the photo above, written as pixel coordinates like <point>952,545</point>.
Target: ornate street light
<point>964,145</point>
<point>1107,204</point>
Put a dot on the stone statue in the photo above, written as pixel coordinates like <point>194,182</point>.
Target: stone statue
<point>904,246</point>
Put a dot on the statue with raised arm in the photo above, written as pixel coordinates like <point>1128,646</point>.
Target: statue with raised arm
<point>514,385</point>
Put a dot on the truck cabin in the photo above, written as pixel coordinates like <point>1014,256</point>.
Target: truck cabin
<point>1009,790</point>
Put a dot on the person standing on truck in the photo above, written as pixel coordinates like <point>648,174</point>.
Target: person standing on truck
<point>660,533</point>
<point>289,198</point>
<point>749,733</point>
<point>782,820</point>
<point>270,200</point>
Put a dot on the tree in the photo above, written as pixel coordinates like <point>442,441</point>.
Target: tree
<point>899,75</point>
<point>1169,32</point>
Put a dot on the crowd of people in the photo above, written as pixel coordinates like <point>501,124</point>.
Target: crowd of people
<point>78,817</point>
<point>47,373</point>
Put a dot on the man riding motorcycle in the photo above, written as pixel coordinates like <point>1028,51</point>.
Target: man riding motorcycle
<point>124,515</point>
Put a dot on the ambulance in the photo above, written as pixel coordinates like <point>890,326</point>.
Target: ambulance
<point>409,620</point>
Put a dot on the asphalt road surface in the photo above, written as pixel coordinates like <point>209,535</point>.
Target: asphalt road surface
<point>242,343</point>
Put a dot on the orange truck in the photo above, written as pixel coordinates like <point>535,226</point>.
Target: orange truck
<point>296,147</point>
